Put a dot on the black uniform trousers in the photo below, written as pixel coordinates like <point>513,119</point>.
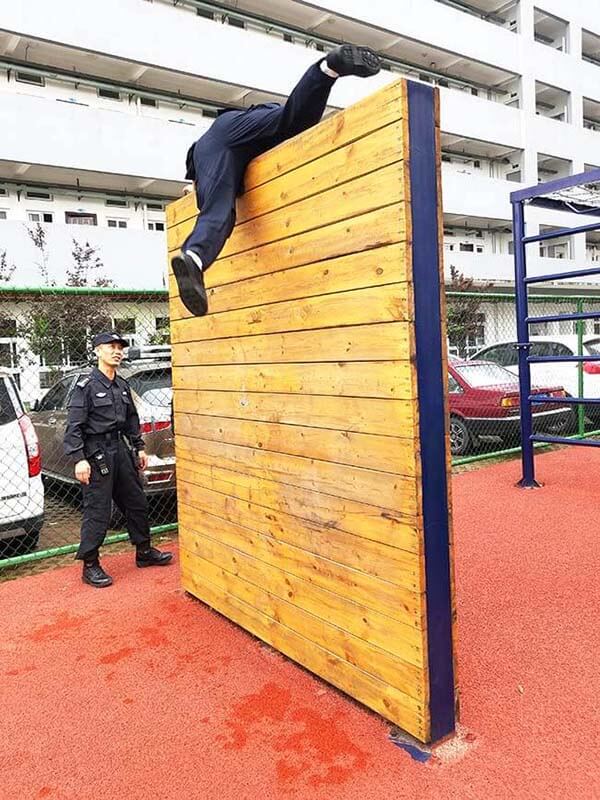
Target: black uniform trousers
<point>123,484</point>
<point>218,160</point>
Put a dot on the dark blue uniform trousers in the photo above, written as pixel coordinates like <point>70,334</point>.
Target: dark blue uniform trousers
<point>218,160</point>
<point>123,485</point>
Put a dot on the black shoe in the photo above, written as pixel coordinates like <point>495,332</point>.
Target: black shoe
<point>190,281</point>
<point>152,558</point>
<point>94,575</point>
<point>348,59</point>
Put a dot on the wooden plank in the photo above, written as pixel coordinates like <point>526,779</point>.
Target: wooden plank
<point>392,454</point>
<point>339,513</point>
<point>392,564</point>
<point>386,341</point>
<point>364,485</point>
<point>405,641</point>
<point>381,109</point>
<point>364,232</point>
<point>373,660</point>
<point>343,202</point>
<point>360,415</point>
<point>355,271</point>
<point>365,155</point>
<point>388,303</point>
<point>387,598</point>
<point>372,692</point>
<point>386,379</point>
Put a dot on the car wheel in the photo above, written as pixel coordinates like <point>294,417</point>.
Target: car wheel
<point>22,545</point>
<point>460,438</point>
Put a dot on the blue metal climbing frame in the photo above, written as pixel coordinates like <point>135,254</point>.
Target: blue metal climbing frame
<point>578,194</point>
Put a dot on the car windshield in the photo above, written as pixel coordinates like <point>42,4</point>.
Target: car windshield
<point>10,405</point>
<point>478,375</point>
<point>153,386</point>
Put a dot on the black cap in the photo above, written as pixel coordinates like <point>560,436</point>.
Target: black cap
<point>108,338</point>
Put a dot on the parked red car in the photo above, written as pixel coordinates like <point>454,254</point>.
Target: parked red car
<point>484,403</point>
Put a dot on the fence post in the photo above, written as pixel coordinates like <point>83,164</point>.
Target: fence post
<point>527,458</point>
<point>580,408</point>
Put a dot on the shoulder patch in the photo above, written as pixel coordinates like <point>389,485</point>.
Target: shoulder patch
<point>83,382</point>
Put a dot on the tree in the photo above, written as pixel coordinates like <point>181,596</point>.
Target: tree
<point>37,234</point>
<point>6,269</point>
<point>463,309</point>
<point>161,336</point>
<point>60,325</point>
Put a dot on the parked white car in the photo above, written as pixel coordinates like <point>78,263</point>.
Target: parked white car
<point>21,489</point>
<point>555,373</point>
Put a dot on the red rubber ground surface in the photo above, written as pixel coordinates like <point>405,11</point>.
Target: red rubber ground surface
<point>140,692</point>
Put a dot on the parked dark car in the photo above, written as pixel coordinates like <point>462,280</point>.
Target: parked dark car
<point>484,404</point>
<point>148,371</point>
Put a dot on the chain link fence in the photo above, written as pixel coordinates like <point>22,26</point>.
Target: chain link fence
<point>483,379</point>
<point>45,348</point>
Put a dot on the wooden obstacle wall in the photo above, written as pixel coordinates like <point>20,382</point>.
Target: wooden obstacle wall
<point>312,457</point>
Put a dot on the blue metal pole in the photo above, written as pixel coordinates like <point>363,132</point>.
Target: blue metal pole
<point>528,478</point>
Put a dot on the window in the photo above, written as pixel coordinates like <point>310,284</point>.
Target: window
<point>3,191</point>
<point>57,396</point>
<point>478,375</point>
<point>161,322</point>
<point>558,349</point>
<point>202,12</point>
<point>453,385</point>
<point>8,327</point>
<point>236,23</point>
<point>30,77</point>
<point>8,355</point>
<point>211,113</point>
<point>155,206</point>
<point>109,94</point>
<point>116,223</point>
<point>505,355</point>
<point>148,101</point>
<point>153,386</point>
<point>38,196</point>
<point>117,203</point>
<point>40,216</point>
<point>466,248</point>
<point>156,226</point>
<point>124,324</point>
<point>76,218</point>
<point>8,411</point>
<point>2,214</point>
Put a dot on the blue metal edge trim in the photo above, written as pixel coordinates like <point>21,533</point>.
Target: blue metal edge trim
<point>432,412</point>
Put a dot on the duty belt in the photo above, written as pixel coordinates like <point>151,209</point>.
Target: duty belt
<point>111,436</point>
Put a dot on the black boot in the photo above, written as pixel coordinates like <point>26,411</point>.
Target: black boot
<point>348,59</point>
<point>151,557</point>
<point>94,575</point>
<point>190,282</point>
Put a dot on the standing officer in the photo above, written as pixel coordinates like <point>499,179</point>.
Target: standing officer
<point>103,439</point>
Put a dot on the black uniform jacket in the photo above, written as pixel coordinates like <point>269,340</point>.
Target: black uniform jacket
<point>99,406</point>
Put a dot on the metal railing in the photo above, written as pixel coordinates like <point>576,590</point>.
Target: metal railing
<point>578,194</point>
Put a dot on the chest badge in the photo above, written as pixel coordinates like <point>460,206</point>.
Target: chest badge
<point>100,394</point>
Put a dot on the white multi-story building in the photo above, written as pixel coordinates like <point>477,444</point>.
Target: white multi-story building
<point>100,101</point>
